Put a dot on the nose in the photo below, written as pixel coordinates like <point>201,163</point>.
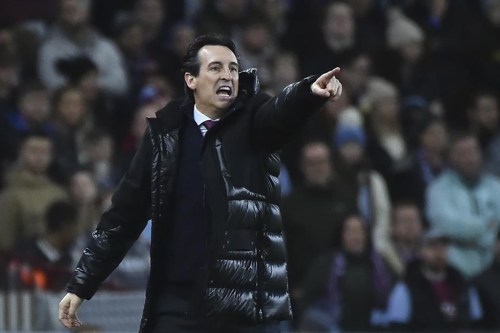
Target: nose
<point>226,74</point>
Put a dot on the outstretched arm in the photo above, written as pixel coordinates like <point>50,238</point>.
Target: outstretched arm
<point>67,310</point>
<point>278,119</point>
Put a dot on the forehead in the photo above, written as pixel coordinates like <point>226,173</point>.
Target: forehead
<point>216,53</point>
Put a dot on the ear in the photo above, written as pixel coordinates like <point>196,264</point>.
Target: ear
<point>190,80</point>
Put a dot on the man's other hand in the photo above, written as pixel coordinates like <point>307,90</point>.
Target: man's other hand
<point>67,310</point>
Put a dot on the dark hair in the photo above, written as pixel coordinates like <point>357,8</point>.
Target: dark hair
<point>30,87</point>
<point>38,133</point>
<point>59,214</point>
<point>191,62</point>
<point>458,135</point>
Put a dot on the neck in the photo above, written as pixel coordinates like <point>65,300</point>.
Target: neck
<point>212,114</point>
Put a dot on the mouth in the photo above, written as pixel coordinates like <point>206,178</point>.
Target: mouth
<point>224,91</point>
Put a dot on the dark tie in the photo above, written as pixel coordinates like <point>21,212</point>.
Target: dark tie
<point>209,123</point>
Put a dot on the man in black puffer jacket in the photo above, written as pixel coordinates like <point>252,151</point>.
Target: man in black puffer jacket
<point>206,174</point>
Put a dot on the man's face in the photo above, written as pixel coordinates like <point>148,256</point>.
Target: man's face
<point>407,223</point>
<point>216,86</point>
<point>466,158</point>
<point>487,112</point>
<point>83,188</point>
<point>352,152</point>
<point>316,164</point>
<point>435,255</point>
<point>354,236</point>
<point>75,13</point>
<point>435,137</point>
<point>35,106</point>
<point>36,154</point>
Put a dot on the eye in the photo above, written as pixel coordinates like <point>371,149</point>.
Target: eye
<point>234,70</point>
<point>214,68</point>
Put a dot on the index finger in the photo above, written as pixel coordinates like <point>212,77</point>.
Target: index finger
<point>329,75</point>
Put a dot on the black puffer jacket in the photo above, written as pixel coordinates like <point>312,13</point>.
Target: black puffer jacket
<point>245,275</point>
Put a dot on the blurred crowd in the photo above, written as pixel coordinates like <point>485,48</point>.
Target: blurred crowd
<point>391,205</point>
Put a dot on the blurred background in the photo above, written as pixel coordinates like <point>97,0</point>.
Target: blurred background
<point>391,205</point>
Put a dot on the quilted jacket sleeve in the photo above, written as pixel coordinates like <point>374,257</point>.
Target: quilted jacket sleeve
<point>279,118</point>
<point>119,226</point>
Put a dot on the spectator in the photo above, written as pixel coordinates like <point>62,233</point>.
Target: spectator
<point>74,36</point>
<point>430,157</point>
<point>71,122</point>
<point>415,115</point>
<point>151,15</point>
<point>406,64</point>
<point>447,27</point>
<point>48,255</point>
<point>138,60</point>
<point>28,193</point>
<point>98,151</point>
<point>347,288</point>
<point>82,73</point>
<point>171,59</point>
<point>365,188</point>
<point>285,70</point>
<point>386,144</point>
<point>337,39</point>
<point>407,231</point>
<point>356,72</point>
<point>257,46</point>
<point>131,141</point>
<point>84,195</point>
<point>276,11</point>
<point>9,72</point>
<point>32,114</point>
<point>462,203</point>
<point>311,215</point>
<point>483,118</point>
<point>434,297</point>
<point>489,293</point>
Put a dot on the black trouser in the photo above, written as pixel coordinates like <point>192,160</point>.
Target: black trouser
<point>169,315</point>
<point>175,323</point>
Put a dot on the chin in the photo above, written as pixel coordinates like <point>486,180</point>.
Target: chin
<point>224,104</point>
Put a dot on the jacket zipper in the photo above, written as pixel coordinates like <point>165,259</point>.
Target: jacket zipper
<point>260,276</point>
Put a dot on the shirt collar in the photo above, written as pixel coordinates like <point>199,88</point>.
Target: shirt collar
<point>199,117</point>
